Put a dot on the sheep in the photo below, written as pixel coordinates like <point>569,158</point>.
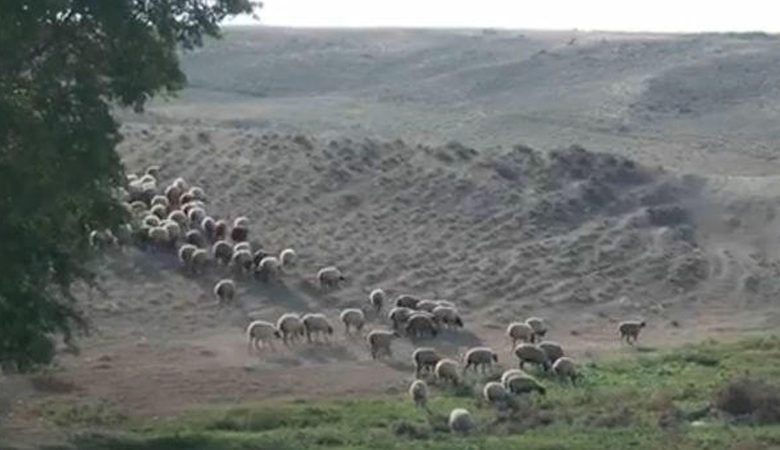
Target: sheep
<point>242,246</point>
<point>426,305</point>
<point>242,222</point>
<point>353,317</point>
<point>531,353</point>
<point>160,200</point>
<point>523,384</point>
<point>185,198</point>
<point>269,268</point>
<point>316,324</point>
<point>241,260</point>
<point>258,256</point>
<point>187,205</point>
<point>173,229</point>
<point>477,357</point>
<point>288,258</point>
<point>138,207</point>
<point>565,367</point>
<point>399,316</point>
<point>259,332</point>
<point>153,171</point>
<point>379,341</point>
<point>460,421</point>
<point>553,350</point>
<point>131,177</point>
<point>151,221</point>
<point>208,225</point>
<point>196,215</point>
<point>448,316</point>
<point>291,326</point>
<point>239,234</point>
<point>418,391</point>
<point>447,370</point>
<point>101,239</point>
<point>419,326</point>
<point>195,238</point>
<point>225,291</point>
<point>511,373</point>
<point>173,193</point>
<point>159,236</point>
<point>220,230</point>
<point>124,234</point>
<point>445,303</point>
<point>179,217</point>
<point>496,394</point>
<point>519,331</point>
<point>538,325</point>
<point>425,358</point>
<point>160,211</point>
<point>148,179</point>
<point>197,193</point>
<point>629,330</point>
<point>329,277</point>
<point>180,184</point>
<point>377,299</point>
<point>407,301</point>
<point>222,252</point>
<point>199,260</point>
<point>185,253</point>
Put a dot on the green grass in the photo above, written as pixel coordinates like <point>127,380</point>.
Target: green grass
<point>652,401</point>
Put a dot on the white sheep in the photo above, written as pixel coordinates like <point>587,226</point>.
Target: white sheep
<point>553,350</point>
<point>173,193</point>
<point>225,291</point>
<point>199,260</point>
<point>291,326</point>
<point>150,221</point>
<point>259,332</point>
<point>153,171</point>
<point>185,253</point>
<point>242,222</point>
<point>629,330</point>
<point>523,384</point>
<point>173,228</point>
<point>208,225</point>
<point>496,394</point>
<point>448,316</point>
<point>181,184</point>
<point>399,316</point>
<point>195,238</point>
<point>445,303</point>
<point>241,260</point>
<point>377,299</point>
<point>379,342</point>
<point>519,331</point>
<point>179,217</point>
<point>288,258</point>
<point>480,357</point>
<point>426,305</point>
<point>460,421</point>
<point>538,325</point>
<point>425,358</point>
<point>316,324</point>
<point>531,353</point>
<point>421,325</point>
<point>418,391</point>
<point>447,370</point>
<point>353,318</point>
<point>330,276</point>
<point>269,268</point>
<point>197,193</point>
<point>565,367</point>
<point>160,211</point>
<point>160,200</point>
<point>511,373</point>
<point>196,215</point>
<point>222,251</point>
<point>407,301</point>
<point>159,236</point>
<point>242,246</point>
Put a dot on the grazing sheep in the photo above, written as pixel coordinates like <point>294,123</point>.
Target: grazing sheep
<point>138,207</point>
<point>460,421</point>
<point>148,179</point>
<point>259,332</point>
<point>377,299</point>
<point>269,268</point>
<point>258,256</point>
<point>477,357</point>
<point>208,226</point>
<point>425,358</point>
<point>564,367</point>
<point>445,303</point>
<point>553,350</point>
<point>426,305</point>
<point>448,316</point>
<point>496,394</point>
<point>239,234</point>
<point>173,194</point>
<point>197,193</point>
<point>523,384</point>
<point>185,253</point>
<point>330,277</point>
<point>291,326</point>
<point>353,317</point>
<point>196,215</point>
<point>288,258</point>
<point>173,229</point>
<point>538,325</point>
<point>220,230</point>
<point>153,171</point>
<point>447,370</point>
<point>531,353</point>
<point>222,252</point>
<point>241,222</point>
<point>242,246</point>
<point>379,341</point>
<point>225,291</point>
<point>151,221</point>
<point>181,184</point>
<point>241,260</point>
<point>317,324</point>
<point>195,238</point>
<point>199,260</point>
<point>519,331</point>
<point>131,177</point>
<point>188,206</point>
<point>399,316</point>
<point>185,198</point>
<point>101,239</point>
<point>179,217</point>
<point>511,373</point>
<point>160,200</point>
<point>159,236</point>
<point>629,330</point>
<point>407,301</point>
<point>160,211</point>
<point>418,391</point>
<point>420,326</point>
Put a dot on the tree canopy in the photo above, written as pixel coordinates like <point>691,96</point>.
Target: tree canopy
<point>64,64</point>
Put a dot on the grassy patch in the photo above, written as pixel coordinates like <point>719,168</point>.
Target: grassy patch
<point>652,401</point>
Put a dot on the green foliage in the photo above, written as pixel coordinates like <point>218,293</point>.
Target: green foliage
<point>63,65</point>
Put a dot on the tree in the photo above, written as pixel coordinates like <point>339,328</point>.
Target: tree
<point>64,64</point>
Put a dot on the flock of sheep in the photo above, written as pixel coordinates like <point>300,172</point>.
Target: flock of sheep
<point>175,219</point>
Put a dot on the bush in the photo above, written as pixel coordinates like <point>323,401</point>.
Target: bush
<point>754,399</point>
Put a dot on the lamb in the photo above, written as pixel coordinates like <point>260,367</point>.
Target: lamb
<point>179,217</point>
<point>199,260</point>
<point>239,234</point>
<point>185,253</point>
<point>241,221</point>
<point>220,230</point>
<point>353,317</point>
<point>477,357</point>
<point>196,215</point>
<point>222,252</point>
<point>225,291</point>
<point>448,316</point>
<point>407,301</point>
<point>524,384</point>
<point>420,326</point>
<point>447,370</point>
<point>269,268</point>
<point>564,367</point>
<point>425,358</point>
<point>291,326</point>
<point>418,391</point>
<point>316,324</point>
<point>531,353</point>
<point>330,277</point>
<point>377,299</point>
<point>379,341</point>
<point>629,330</point>
<point>195,238</point>
<point>173,228</point>
<point>460,421</point>
<point>241,260</point>
<point>399,316</point>
<point>496,394</point>
<point>288,258</point>
<point>511,373</point>
<point>553,350</point>
<point>538,325</point>
<point>259,332</point>
<point>519,331</point>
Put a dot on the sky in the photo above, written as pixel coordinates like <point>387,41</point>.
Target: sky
<point>608,15</point>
